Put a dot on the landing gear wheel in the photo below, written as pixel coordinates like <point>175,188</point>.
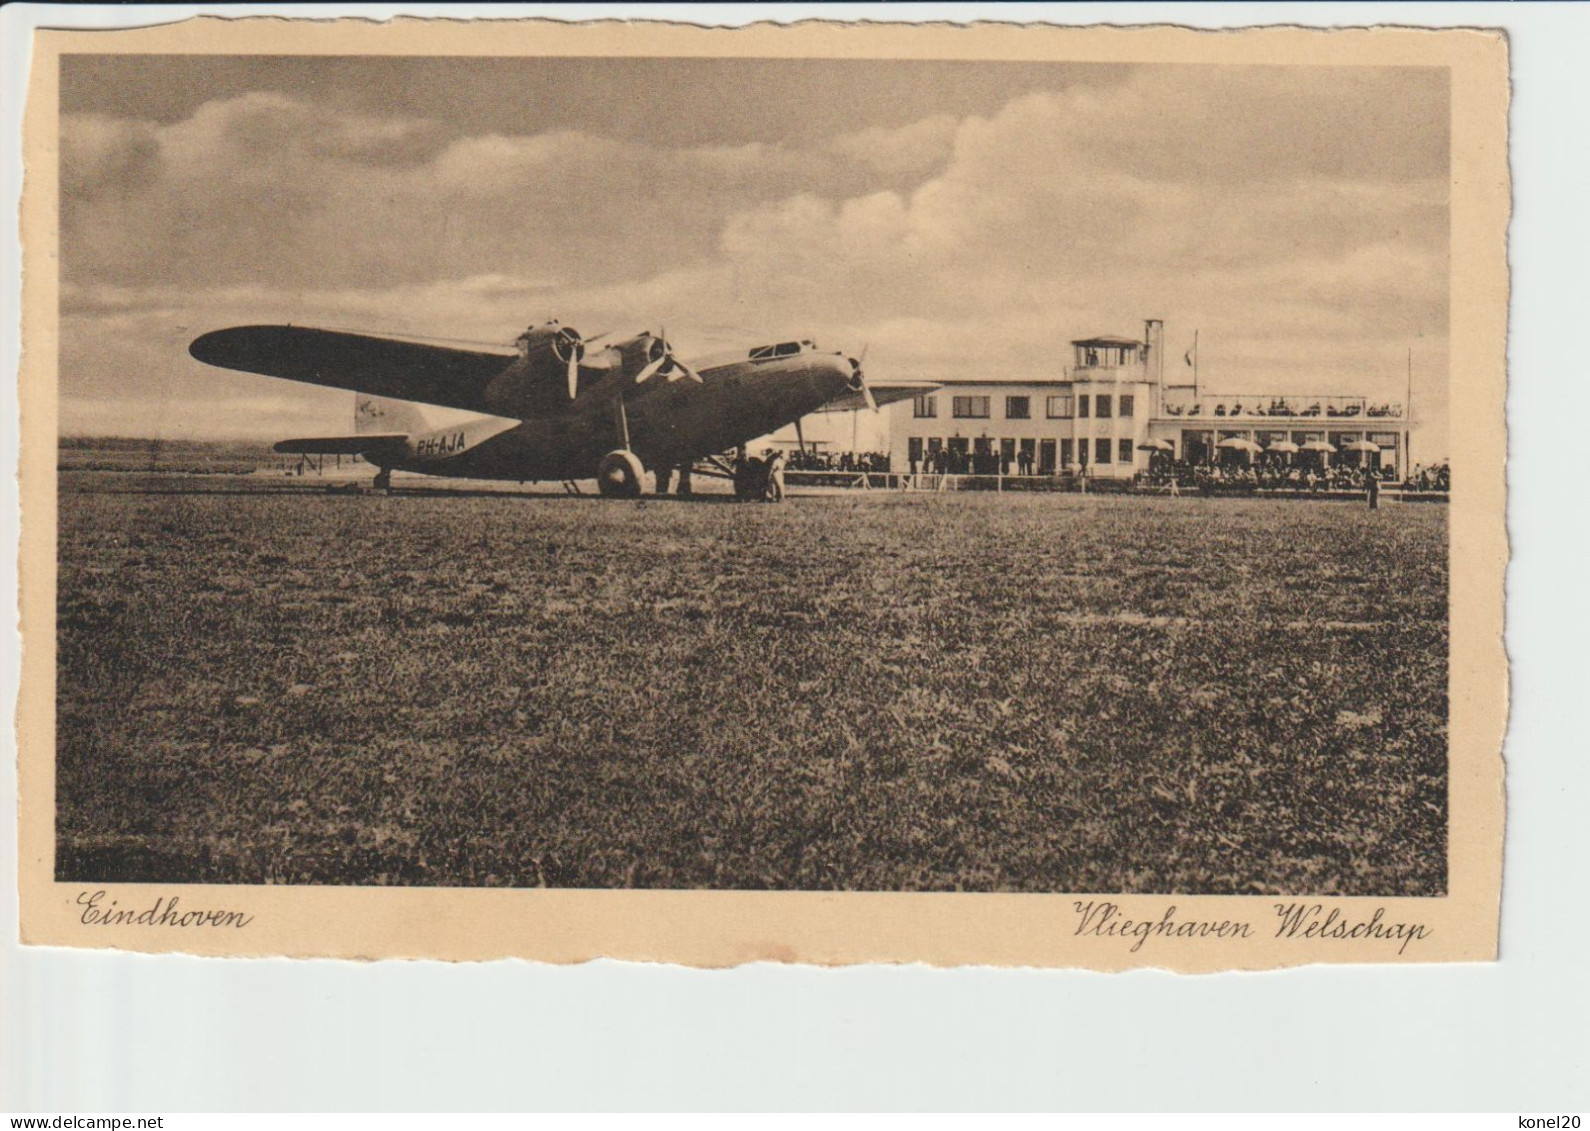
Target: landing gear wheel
<point>383,479</point>
<point>619,475</point>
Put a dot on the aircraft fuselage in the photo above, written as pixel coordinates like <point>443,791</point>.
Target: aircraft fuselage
<point>668,423</point>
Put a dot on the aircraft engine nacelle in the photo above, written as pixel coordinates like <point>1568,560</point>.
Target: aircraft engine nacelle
<point>549,358</point>
<point>551,341</point>
<point>553,348</point>
<point>649,355</point>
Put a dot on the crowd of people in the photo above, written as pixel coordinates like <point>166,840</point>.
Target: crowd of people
<point>1435,478</point>
<point>943,461</point>
<point>814,460</point>
<point>1278,476</point>
<point>762,477</point>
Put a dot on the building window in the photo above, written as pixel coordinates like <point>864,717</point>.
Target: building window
<point>1058,408</point>
<point>1018,408</point>
<point>926,406</point>
<point>1124,451</point>
<point>1066,459</point>
<point>1082,405</point>
<point>1128,404</point>
<point>975,408</point>
<point>1101,404</point>
<point>1101,450</point>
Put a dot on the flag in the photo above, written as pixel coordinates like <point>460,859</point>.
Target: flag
<point>1188,358</point>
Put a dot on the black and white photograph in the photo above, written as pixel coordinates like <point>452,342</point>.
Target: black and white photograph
<point>761,473</point>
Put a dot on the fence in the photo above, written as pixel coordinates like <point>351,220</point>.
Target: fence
<point>932,482</point>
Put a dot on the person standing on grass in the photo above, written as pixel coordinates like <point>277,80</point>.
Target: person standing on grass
<point>775,476</point>
<point>1372,483</point>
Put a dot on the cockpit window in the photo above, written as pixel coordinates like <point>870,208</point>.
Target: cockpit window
<point>783,349</point>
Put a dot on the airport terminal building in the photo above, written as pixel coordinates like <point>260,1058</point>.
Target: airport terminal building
<point>1105,413</point>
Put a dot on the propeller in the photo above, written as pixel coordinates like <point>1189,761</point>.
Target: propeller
<point>567,346</point>
<point>660,359</point>
<point>858,379</point>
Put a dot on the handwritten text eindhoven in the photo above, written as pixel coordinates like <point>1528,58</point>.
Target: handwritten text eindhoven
<point>1297,920</point>
<point>164,913</point>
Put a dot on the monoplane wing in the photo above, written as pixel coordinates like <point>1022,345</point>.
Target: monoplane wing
<point>361,445</point>
<point>854,399</point>
<point>385,367</point>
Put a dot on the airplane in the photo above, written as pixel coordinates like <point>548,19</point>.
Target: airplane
<point>555,408</point>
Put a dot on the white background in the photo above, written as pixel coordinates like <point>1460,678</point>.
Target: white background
<point>103,1032</point>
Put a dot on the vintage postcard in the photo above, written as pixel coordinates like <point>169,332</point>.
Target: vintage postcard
<point>1000,494</point>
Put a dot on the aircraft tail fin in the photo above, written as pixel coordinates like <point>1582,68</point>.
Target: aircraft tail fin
<point>384,415</point>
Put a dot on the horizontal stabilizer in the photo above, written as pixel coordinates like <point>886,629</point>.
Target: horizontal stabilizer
<point>853,400</point>
<point>362,444</point>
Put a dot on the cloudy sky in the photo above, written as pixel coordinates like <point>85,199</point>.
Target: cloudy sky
<point>962,219</point>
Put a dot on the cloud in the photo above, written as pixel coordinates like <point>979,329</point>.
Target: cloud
<point>909,151</point>
<point>101,155</point>
<point>273,189</point>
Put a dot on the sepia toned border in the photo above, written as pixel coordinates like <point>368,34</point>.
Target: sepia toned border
<point>726,928</point>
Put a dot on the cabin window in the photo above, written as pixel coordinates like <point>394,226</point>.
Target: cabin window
<point>762,353</point>
<point>1018,408</point>
<point>925,407</point>
<point>975,408</point>
<point>1058,408</point>
<point>786,349</point>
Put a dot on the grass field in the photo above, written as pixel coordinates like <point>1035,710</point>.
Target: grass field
<point>172,457</point>
<point>1037,693</point>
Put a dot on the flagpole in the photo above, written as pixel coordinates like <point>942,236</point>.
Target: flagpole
<point>1407,422</point>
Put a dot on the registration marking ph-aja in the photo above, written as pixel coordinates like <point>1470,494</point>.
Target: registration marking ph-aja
<point>440,445</point>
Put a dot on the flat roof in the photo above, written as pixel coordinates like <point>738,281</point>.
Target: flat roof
<point>1106,340</point>
<point>999,382</point>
